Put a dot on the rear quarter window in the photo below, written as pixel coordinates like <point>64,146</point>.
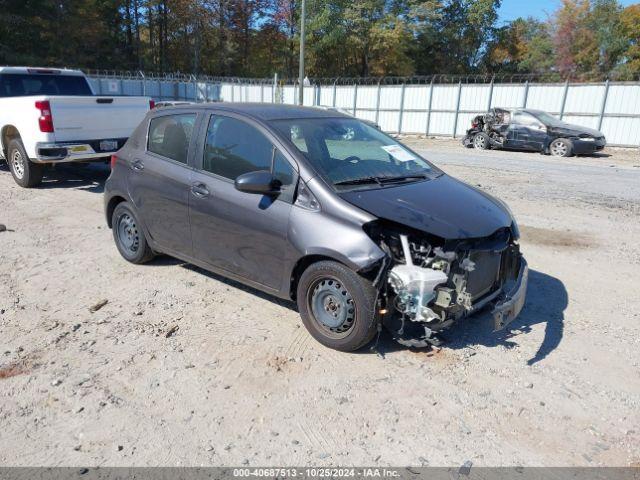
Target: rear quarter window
<point>22,85</point>
<point>169,136</point>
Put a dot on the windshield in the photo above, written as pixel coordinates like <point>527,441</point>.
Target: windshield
<point>348,152</point>
<point>546,118</point>
<point>23,85</point>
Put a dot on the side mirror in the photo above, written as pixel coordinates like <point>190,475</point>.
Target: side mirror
<point>262,182</point>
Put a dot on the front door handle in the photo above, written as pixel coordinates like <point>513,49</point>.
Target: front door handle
<point>137,165</point>
<point>200,190</point>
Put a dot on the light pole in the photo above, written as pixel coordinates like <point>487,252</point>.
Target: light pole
<point>301,71</point>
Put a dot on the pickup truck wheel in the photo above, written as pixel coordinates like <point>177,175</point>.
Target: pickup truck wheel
<point>481,141</point>
<point>337,306</point>
<point>561,147</point>
<point>129,236</point>
<point>25,173</point>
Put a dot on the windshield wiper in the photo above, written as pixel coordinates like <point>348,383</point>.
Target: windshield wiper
<point>381,180</point>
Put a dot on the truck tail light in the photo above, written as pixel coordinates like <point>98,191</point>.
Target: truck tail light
<point>114,159</point>
<point>46,119</point>
<point>152,104</point>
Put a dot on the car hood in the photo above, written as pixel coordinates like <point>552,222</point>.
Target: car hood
<point>569,129</point>
<point>444,206</point>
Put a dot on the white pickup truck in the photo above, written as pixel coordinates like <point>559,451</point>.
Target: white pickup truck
<point>50,115</point>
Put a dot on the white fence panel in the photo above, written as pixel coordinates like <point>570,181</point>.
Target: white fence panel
<point>624,99</point>
<point>344,96</point>
<point>390,96</point>
<point>445,97</point>
<point>414,122</point>
<point>546,97</point>
<point>584,99</point>
<point>475,98</point>
<point>367,96</point>
<point>416,97</point>
<point>508,96</point>
<point>438,109</point>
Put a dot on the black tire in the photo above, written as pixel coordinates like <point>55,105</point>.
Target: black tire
<point>129,235</point>
<point>481,141</point>
<point>357,292</point>
<point>25,173</point>
<point>561,147</point>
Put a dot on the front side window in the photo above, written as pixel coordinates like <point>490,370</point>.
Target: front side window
<point>169,136</point>
<point>234,147</point>
<point>348,152</point>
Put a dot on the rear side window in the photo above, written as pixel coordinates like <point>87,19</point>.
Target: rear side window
<point>169,136</point>
<point>22,85</point>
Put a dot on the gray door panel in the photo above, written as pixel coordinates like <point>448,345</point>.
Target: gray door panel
<point>160,192</point>
<point>239,232</point>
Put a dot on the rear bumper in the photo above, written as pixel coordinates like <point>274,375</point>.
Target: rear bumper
<point>61,152</point>
<point>507,309</point>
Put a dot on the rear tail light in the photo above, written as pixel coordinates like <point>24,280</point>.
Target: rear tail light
<point>114,159</point>
<point>46,119</point>
<point>152,104</point>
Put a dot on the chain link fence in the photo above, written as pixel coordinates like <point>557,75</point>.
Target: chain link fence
<point>438,105</point>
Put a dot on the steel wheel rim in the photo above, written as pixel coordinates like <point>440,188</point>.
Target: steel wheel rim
<point>17,164</point>
<point>128,235</point>
<point>479,142</point>
<point>559,149</point>
<point>332,307</point>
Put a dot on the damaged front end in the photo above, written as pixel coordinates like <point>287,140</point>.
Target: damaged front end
<point>431,283</point>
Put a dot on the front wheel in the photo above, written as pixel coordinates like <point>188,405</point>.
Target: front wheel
<point>337,306</point>
<point>561,147</point>
<point>25,173</point>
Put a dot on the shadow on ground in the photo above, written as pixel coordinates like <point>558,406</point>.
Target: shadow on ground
<point>547,300</point>
<point>89,177</point>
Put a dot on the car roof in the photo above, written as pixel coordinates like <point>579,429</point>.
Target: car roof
<point>266,111</point>
<point>41,70</point>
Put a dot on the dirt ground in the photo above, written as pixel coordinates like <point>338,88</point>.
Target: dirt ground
<point>107,363</point>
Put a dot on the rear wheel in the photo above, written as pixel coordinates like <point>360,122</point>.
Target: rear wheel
<point>337,306</point>
<point>481,141</point>
<point>25,173</point>
<point>129,236</point>
<point>561,147</point>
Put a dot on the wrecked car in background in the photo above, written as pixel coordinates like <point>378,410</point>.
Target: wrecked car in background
<point>527,129</point>
<point>361,231</point>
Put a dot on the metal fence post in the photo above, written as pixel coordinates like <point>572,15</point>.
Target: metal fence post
<point>334,92</point>
<point>195,89</point>
<point>603,108</point>
<point>490,93</point>
<point>526,94</point>
<point>429,108</point>
<point>455,121</point>
<point>564,98</point>
<point>143,83</point>
<point>378,103</point>
<point>404,85</point>
<point>355,98</point>
<point>275,86</point>
<point>233,92</point>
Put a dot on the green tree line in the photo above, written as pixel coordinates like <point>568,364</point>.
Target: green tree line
<point>582,39</point>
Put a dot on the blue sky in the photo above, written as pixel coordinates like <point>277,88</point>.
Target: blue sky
<point>512,9</point>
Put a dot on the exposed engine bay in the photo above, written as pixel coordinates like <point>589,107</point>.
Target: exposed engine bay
<point>431,284</point>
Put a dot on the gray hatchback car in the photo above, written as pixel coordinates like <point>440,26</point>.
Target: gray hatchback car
<point>318,207</point>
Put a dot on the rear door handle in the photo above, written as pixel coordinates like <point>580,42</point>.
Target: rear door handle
<point>137,165</point>
<point>200,190</point>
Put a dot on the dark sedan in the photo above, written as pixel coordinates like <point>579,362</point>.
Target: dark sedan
<point>527,129</point>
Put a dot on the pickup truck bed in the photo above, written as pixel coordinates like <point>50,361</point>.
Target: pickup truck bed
<point>51,115</point>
